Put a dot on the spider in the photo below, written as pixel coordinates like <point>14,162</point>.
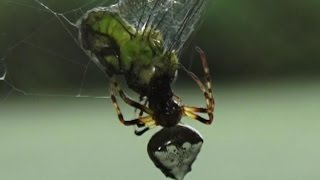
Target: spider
<point>162,106</point>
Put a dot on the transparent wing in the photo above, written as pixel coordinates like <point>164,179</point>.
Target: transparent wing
<point>176,19</point>
<point>39,53</point>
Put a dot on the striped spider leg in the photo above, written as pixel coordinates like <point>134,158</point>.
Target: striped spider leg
<point>139,130</point>
<point>142,121</point>
<point>144,100</point>
<point>192,112</point>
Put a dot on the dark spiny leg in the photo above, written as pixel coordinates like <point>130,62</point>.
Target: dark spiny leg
<point>206,89</point>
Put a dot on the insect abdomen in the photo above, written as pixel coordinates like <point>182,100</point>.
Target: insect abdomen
<point>101,35</point>
<point>119,48</point>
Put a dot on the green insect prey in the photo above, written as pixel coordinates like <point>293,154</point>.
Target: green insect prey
<point>121,49</point>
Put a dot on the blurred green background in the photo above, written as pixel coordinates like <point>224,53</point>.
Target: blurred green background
<point>265,64</point>
<point>272,38</point>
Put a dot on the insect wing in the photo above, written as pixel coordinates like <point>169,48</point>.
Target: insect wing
<point>176,19</point>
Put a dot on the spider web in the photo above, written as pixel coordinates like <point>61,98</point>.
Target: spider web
<point>39,50</point>
<point>40,54</point>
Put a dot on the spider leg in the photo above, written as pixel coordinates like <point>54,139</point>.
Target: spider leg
<point>207,91</point>
<point>147,121</point>
<point>137,131</point>
<point>196,117</point>
<point>145,103</point>
<point>140,132</point>
<point>127,99</point>
<point>140,100</point>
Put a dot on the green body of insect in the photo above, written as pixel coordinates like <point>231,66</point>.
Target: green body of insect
<point>120,49</point>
